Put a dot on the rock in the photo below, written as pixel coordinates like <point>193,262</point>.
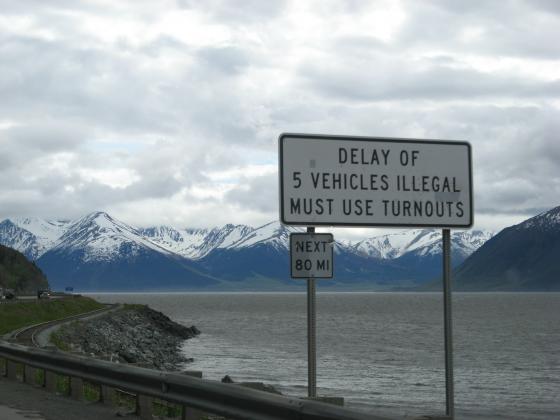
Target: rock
<point>227,380</point>
<point>136,335</point>
<point>260,386</point>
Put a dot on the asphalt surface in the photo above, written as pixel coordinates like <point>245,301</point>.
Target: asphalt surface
<point>42,335</point>
<point>7,413</point>
<point>19,401</point>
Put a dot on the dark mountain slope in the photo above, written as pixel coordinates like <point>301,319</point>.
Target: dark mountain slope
<point>524,257</point>
<point>18,273</point>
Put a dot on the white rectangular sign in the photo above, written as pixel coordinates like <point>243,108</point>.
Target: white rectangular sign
<point>369,181</point>
<point>311,255</point>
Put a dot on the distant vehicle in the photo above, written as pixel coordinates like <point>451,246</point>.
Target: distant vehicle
<point>7,294</point>
<point>43,294</point>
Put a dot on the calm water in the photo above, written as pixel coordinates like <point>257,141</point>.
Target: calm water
<point>383,352</point>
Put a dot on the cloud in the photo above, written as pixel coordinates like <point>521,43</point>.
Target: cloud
<point>507,29</point>
<point>256,194</point>
<point>398,79</point>
<point>239,11</point>
<point>170,112</point>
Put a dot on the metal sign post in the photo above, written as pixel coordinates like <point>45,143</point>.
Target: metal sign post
<point>448,325</point>
<point>328,180</point>
<point>311,335</point>
<point>311,257</point>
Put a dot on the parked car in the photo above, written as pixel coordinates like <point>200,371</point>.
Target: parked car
<point>43,294</point>
<point>7,293</point>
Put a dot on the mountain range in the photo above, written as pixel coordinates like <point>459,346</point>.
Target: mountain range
<point>99,253</point>
<point>524,257</point>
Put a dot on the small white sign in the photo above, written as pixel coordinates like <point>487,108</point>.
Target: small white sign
<point>368,181</point>
<point>311,255</point>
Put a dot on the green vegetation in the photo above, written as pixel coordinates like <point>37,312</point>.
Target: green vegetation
<point>92,392</point>
<point>18,273</point>
<point>57,340</point>
<point>62,384</point>
<point>161,408</point>
<point>39,376</point>
<point>124,399</point>
<point>21,314</point>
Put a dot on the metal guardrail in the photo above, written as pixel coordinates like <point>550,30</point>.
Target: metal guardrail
<point>213,397</point>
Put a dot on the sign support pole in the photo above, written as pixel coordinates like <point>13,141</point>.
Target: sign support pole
<point>448,325</point>
<point>311,336</point>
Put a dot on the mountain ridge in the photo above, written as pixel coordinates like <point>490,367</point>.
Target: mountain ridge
<point>98,250</point>
<point>522,257</point>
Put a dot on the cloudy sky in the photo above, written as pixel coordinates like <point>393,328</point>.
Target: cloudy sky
<point>168,112</point>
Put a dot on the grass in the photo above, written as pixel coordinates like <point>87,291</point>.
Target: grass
<point>56,339</point>
<point>62,384</point>
<point>163,408</point>
<point>21,314</point>
<point>39,376</point>
<point>92,392</point>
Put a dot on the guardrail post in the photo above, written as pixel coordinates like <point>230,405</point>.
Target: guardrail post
<point>29,375</point>
<point>77,388</point>
<point>148,385</point>
<point>190,413</point>
<point>11,370</point>
<point>50,381</point>
<point>107,395</point>
<point>144,406</point>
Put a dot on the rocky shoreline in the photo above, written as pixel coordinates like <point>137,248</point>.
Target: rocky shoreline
<point>135,334</point>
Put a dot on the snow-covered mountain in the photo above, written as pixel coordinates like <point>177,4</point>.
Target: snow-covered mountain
<point>11,235</point>
<point>273,234</point>
<point>186,242</point>
<point>104,251</point>
<point>30,235</point>
<point>225,237</point>
<point>196,243</point>
<point>47,231</point>
<point>99,237</point>
<point>421,242</point>
<point>98,252</point>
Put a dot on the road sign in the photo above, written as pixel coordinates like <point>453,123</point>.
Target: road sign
<point>311,255</point>
<point>372,181</point>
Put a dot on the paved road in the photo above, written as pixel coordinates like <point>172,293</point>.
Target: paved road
<point>8,413</point>
<point>38,335</point>
<point>20,401</point>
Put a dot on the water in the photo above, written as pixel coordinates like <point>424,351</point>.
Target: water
<point>383,352</point>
